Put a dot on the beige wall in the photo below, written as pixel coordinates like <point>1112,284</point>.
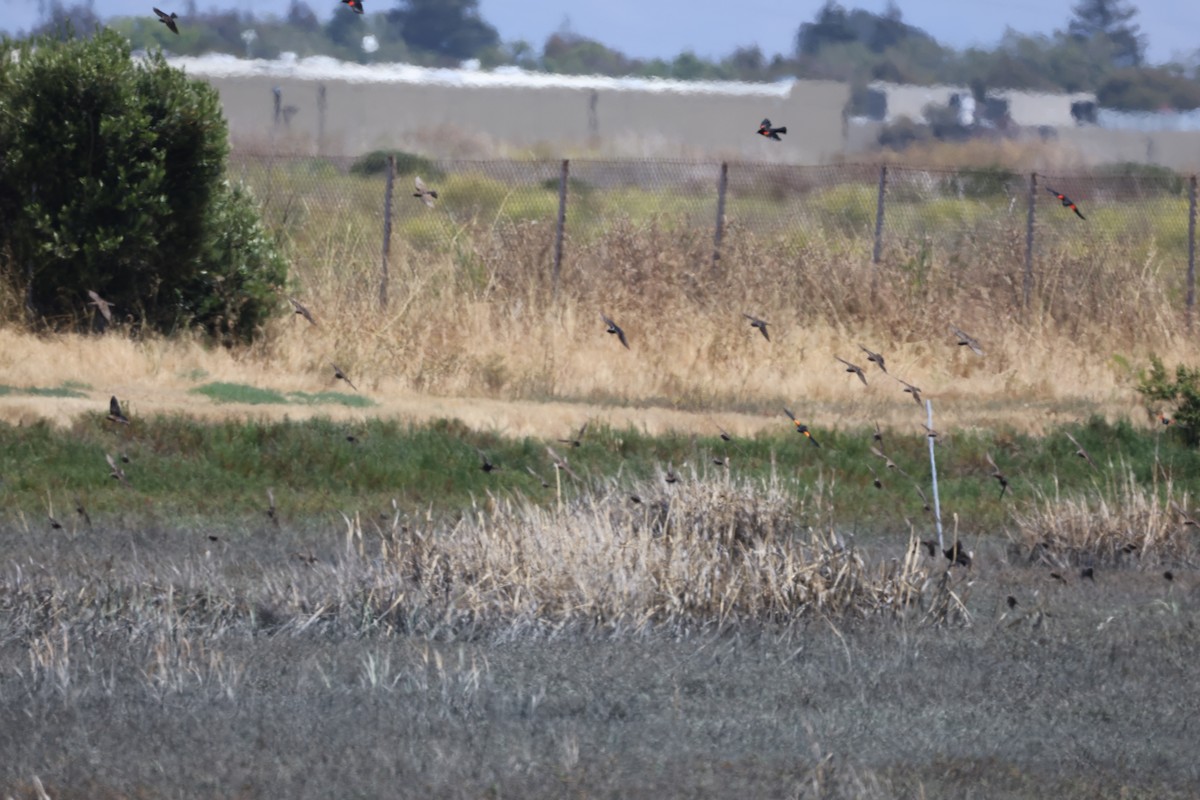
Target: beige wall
<point>443,119</point>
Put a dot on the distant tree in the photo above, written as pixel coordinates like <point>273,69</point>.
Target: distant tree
<point>1148,90</point>
<point>1109,22</point>
<point>301,16</point>
<point>571,54</point>
<point>832,26</point>
<point>451,28</point>
<point>746,64</point>
<point>346,30</point>
<point>65,22</point>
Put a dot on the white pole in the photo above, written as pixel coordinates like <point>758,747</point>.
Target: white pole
<point>937,503</point>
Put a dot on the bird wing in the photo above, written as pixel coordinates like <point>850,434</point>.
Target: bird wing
<point>790,415</point>
<point>420,184</point>
<point>162,15</point>
<point>991,461</point>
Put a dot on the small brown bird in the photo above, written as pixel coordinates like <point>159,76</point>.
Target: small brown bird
<point>761,324</point>
<point>924,499</point>
<point>115,472</point>
<point>913,390</point>
<point>102,305</point>
<point>168,20</point>
<point>855,368</point>
<point>615,329</point>
<point>930,432</point>
<point>560,463</point>
<point>426,194</point>
<point>301,310</point>
<point>487,465</point>
<point>671,477</point>
<point>577,440</point>
<point>801,428</point>
<point>967,341</point>
<point>540,479</point>
<point>890,464</point>
<point>997,474</point>
<point>723,461</point>
<point>1080,452</point>
<point>1184,517</point>
<point>340,375</point>
<point>114,412</point>
<point>878,435</point>
<point>873,357</point>
<point>357,5</point>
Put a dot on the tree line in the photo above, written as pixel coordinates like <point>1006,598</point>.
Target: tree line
<point>1100,49</point>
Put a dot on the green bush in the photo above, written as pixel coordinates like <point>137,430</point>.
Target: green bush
<point>1182,393</point>
<point>112,180</point>
<point>375,163</point>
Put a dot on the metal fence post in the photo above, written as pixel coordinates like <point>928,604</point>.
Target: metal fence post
<point>320,119</point>
<point>1191,273</point>
<point>937,501</point>
<point>878,254</point>
<point>387,230</point>
<point>562,223</point>
<point>722,185</point>
<point>1031,218</point>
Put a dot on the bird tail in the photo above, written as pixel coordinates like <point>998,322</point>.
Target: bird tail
<point>781,130</point>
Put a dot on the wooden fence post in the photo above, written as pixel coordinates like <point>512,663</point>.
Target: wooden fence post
<point>722,186</point>
<point>1030,220</point>
<point>877,256</point>
<point>1191,273</point>
<point>387,230</point>
<point>562,223</point>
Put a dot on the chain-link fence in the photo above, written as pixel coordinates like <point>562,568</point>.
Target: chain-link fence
<point>892,214</point>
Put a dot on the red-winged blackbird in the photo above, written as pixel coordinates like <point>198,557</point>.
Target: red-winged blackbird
<point>801,428</point>
<point>614,329</point>
<point>114,412</point>
<point>1163,418</point>
<point>1066,201</point>
<point>487,465</point>
<point>355,4</point>
<point>967,341</point>
<point>338,374</point>
<point>426,194</point>
<point>577,441</point>
<point>168,20</point>
<point>761,324</point>
<point>855,368</point>
<point>765,129</point>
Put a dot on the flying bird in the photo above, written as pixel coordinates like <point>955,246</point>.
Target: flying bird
<point>81,511</point>
<point>878,435</point>
<point>855,368</point>
<point>168,20</point>
<point>913,390</point>
<point>101,304</point>
<point>543,481</point>
<point>577,440</point>
<point>338,374</point>
<point>671,477</point>
<point>426,194</point>
<point>801,428</point>
<point>1079,451</point>
<point>614,329</point>
<point>1066,201</point>
<point>765,129</point>
<point>301,310</point>
<point>560,463</point>
<point>725,435</point>
<point>114,412</point>
<point>761,324</point>
<point>272,512</point>
<point>997,474</point>
<point>967,341</point>
<point>890,464</point>
<point>873,357</point>
<point>878,484</point>
<point>924,499</point>
<point>115,471</point>
<point>487,465</point>
<point>355,4</point>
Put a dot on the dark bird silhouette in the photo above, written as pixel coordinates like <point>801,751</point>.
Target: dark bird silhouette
<point>855,368</point>
<point>1058,577</point>
<point>725,437</point>
<point>426,194</point>
<point>997,474</point>
<point>878,434</point>
<point>1088,573</point>
<point>81,511</point>
<point>301,310</point>
<point>1066,201</point>
<point>801,428</point>
<point>765,129</point>
<point>956,554</point>
<point>487,465</point>
<point>878,484</point>
<point>1080,452</point>
<point>102,305</point>
<point>1169,576</point>
<point>965,340</point>
<point>114,412</point>
<point>913,390</point>
<point>1012,601</point>
<point>168,20</point>
<point>55,524</point>
<point>873,357</point>
<point>761,324</point>
<point>338,374</point>
<point>357,5</point>
<point>614,329</point>
<point>1164,419</point>
<point>577,440</point>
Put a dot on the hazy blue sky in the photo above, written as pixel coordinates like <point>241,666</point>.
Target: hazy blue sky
<point>648,28</point>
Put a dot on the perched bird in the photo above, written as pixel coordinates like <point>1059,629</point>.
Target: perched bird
<point>874,357</point>
<point>487,465</point>
<point>761,324</point>
<point>614,329</point>
<point>114,412</point>
<point>426,194</point>
<point>339,375</point>
<point>102,305</point>
<point>168,20</point>
<point>913,390</point>
<point>577,440</point>
<point>301,310</point>
<point>965,340</point>
<point>855,368</point>
<point>765,129</point>
<point>115,472</point>
<point>1080,452</point>
<point>1066,201</point>
<point>997,474</point>
<point>801,428</point>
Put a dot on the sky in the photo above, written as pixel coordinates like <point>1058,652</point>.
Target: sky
<point>713,28</point>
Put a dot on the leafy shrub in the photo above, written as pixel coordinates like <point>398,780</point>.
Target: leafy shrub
<point>1183,393</point>
<point>375,163</point>
<point>112,181</point>
<point>994,181</point>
